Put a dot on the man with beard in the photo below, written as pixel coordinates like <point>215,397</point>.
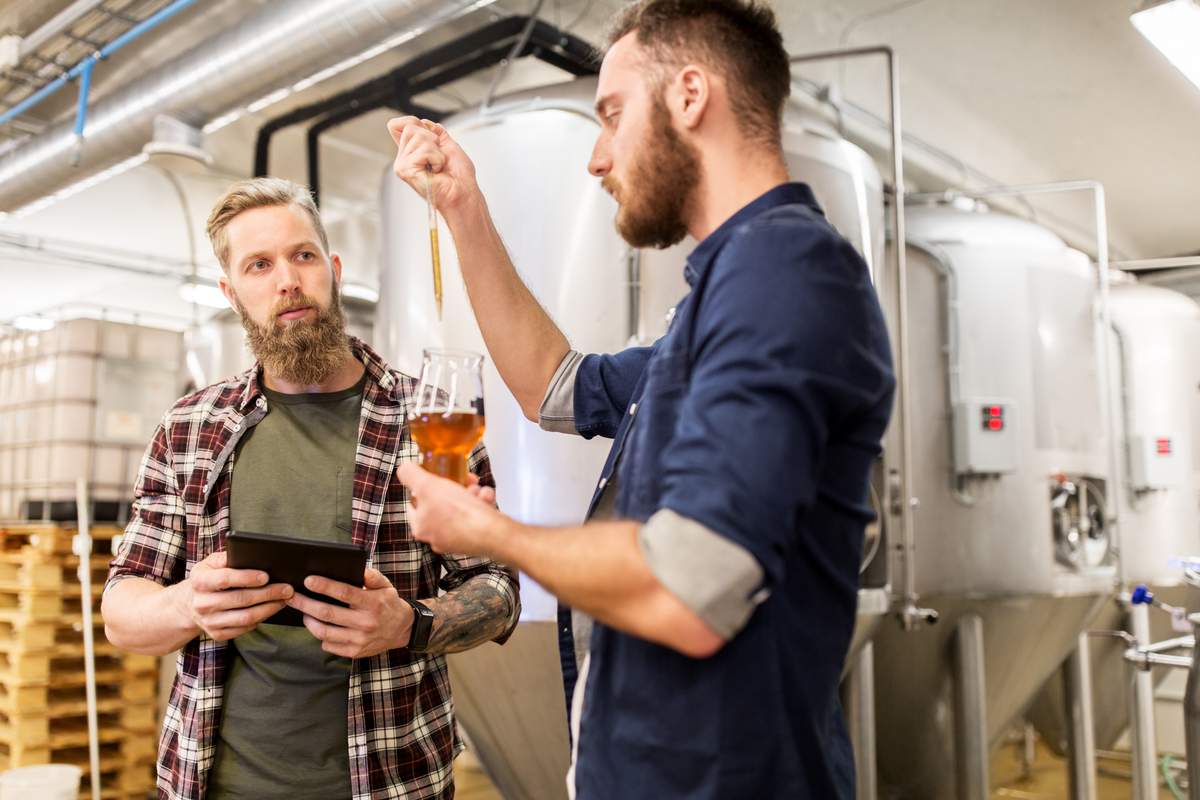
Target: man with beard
<point>355,704</point>
<point>721,560</point>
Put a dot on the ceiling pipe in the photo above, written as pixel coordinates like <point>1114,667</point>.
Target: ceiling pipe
<point>59,23</point>
<point>455,60</point>
<point>259,56</point>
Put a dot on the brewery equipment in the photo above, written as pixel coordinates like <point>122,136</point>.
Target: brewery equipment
<point>1012,548</point>
<point>1155,391</point>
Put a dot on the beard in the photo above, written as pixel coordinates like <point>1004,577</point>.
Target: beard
<point>661,186</point>
<point>301,351</point>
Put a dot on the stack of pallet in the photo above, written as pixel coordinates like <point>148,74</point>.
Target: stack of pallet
<point>43,701</point>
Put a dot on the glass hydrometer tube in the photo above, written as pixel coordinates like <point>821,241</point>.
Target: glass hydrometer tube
<point>434,250</point>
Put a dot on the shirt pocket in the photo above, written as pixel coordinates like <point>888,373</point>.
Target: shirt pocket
<point>343,510</point>
<point>667,378</point>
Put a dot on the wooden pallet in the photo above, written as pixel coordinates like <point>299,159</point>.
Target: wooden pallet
<point>43,703</point>
<point>49,538</point>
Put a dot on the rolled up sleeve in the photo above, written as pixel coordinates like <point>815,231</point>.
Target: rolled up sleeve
<point>718,580</point>
<point>603,390</point>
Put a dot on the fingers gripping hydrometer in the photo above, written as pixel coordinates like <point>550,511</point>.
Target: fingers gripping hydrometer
<point>435,253</point>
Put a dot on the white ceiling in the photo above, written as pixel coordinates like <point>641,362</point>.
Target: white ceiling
<point>1022,90</point>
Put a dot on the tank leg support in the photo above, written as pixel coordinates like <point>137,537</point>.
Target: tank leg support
<point>1141,714</point>
<point>1191,717</point>
<point>972,747</point>
<point>860,716</point>
<point>1081,731</point>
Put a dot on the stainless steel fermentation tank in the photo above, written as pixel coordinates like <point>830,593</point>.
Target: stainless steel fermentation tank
<point>531,152</point>
<point>1009,470</point>
<point>1153,341</point>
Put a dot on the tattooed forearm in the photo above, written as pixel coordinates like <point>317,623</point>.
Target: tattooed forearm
<point>468,615</point>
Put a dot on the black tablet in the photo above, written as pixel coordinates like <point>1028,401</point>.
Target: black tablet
<point>289,560</point>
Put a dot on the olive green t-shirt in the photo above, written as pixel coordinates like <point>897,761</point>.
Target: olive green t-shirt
<point>283,728</point>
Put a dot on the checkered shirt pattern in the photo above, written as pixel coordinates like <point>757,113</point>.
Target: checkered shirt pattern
<point>402,739</point>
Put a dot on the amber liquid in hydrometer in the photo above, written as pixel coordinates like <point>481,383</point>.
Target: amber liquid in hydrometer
<point>437,269</point>
<point>446,441</point>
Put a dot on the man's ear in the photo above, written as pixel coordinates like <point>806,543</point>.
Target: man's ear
<point>227,290</point>
<point>336,262</point>
<point>688,96</point>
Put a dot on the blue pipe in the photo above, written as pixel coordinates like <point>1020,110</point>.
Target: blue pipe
<point>85,86</point>
<point>84,68</point>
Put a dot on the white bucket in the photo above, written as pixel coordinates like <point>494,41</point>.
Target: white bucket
<point>45,782</point>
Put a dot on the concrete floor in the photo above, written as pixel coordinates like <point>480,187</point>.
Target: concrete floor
<point>1047,779</point>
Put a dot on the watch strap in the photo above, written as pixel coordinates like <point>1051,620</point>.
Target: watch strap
<point>422,626</point>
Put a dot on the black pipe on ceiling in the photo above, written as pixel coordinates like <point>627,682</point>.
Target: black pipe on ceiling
<point>466,55</point>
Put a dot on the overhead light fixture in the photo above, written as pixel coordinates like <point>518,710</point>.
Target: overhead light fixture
<point>203,294</point>
<point>1174,28</point>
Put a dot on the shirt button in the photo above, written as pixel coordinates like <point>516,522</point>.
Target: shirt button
<point>260,402</point>
<point>237,427</point>
<point>603,483</point>
<point>632,409</point>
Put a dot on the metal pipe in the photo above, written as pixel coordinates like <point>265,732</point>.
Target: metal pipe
<point>1157,263</point>
<point>860,716</point>
<point>971,706</point>
<point>910,615</point>
<point>517,47</point>
<point>1081,736</point>
<point>83,549</point>
<point>1179,643</point>
<point>84,67</point>
<point>950,350</point>
<point>1191,717</point>
<point>1141,711</point>
<point>278,49</point>
<point>633,277</point>
<point>57,24</point>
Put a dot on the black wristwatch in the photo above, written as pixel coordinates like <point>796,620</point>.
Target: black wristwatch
<point>422,626</point>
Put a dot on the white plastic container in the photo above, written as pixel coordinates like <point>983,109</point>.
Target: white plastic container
<point>44,782</point>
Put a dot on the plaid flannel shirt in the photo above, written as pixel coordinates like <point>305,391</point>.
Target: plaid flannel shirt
<point>402,739</point>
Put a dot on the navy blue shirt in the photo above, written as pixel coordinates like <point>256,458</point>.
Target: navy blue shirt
<point>759,415</point>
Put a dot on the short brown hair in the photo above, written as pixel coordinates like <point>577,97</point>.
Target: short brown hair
<point>259,193</point>
<point>738,38</point>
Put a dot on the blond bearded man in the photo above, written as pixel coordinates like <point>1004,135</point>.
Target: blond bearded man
<point>356,703</point>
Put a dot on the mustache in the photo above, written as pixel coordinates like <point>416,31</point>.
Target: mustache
<point>287,304</point>
<point>610,185</point>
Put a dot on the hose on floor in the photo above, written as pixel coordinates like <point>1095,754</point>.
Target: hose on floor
<point>1168,774</point>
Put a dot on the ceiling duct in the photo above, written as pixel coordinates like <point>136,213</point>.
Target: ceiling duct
<point>262,54</point>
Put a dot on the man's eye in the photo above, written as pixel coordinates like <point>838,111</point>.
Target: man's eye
<point>305,255</point>
<point>259,264</point>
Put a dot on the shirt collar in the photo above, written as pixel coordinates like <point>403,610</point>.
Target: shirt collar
<point>377,372</point>
<point>782,195</point>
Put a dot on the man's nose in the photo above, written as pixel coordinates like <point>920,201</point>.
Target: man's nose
<point>287,278</point>
<point>600,163</point>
